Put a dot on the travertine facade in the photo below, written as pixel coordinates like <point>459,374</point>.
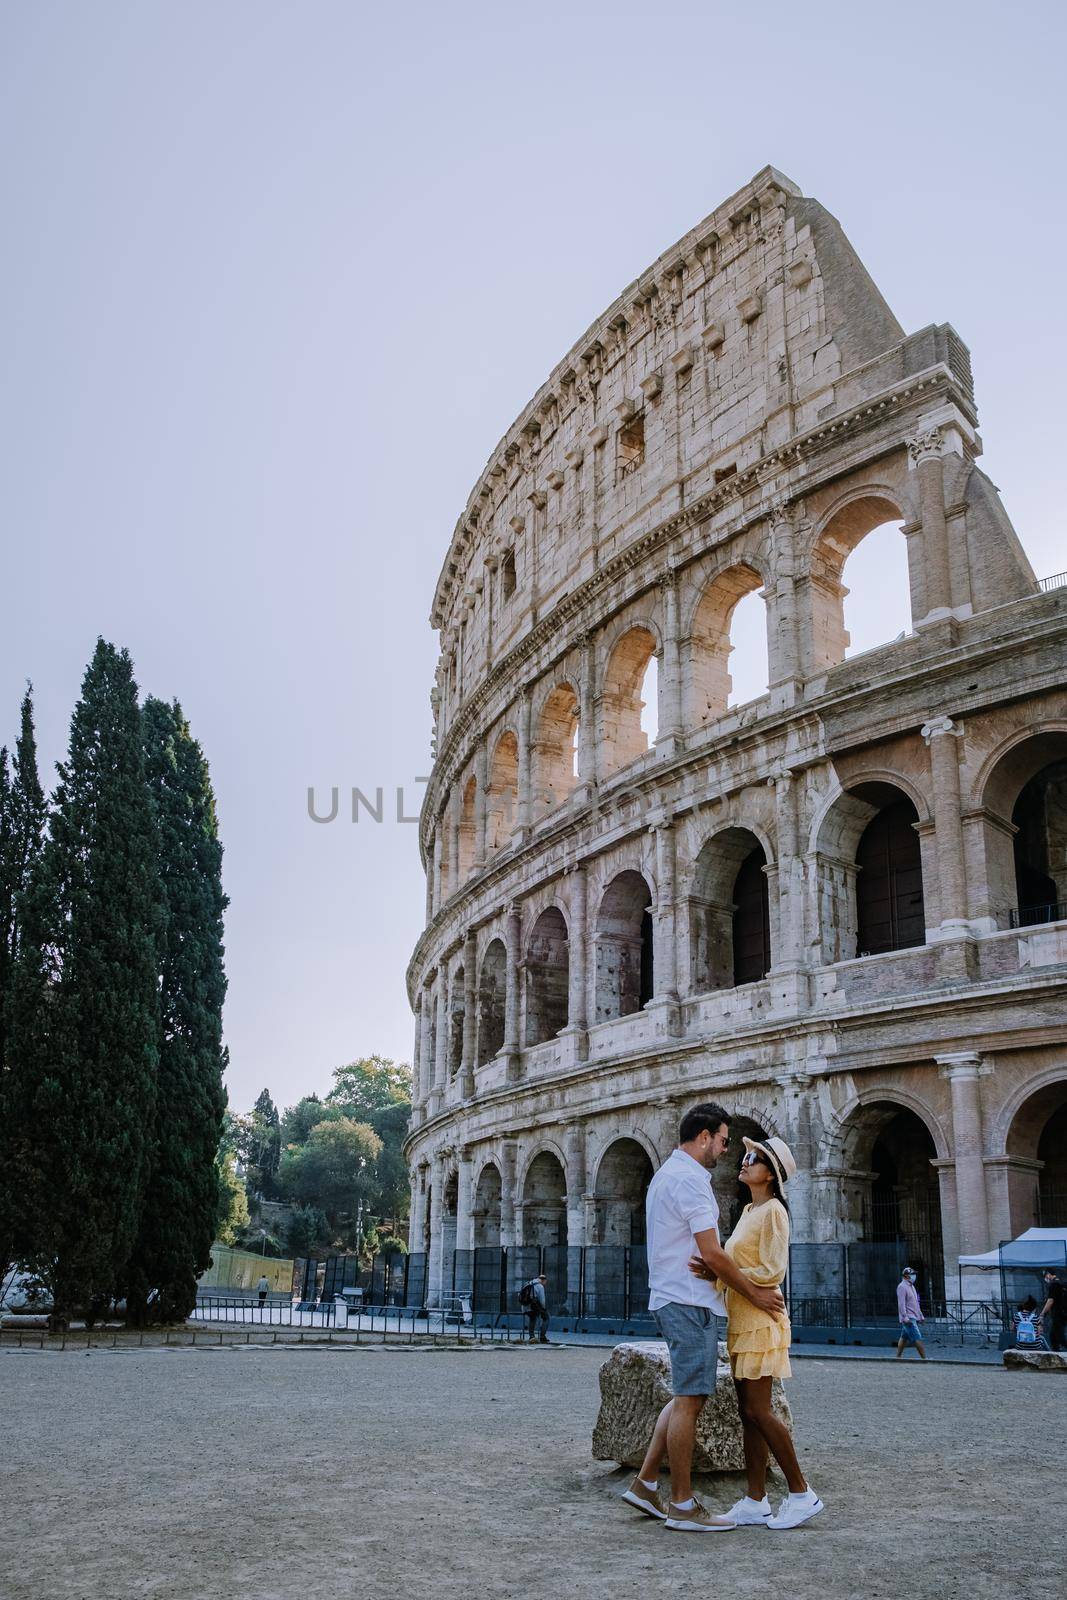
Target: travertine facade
<point>615,928</point>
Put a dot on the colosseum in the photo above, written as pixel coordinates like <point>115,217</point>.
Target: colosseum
<point>839,908</point>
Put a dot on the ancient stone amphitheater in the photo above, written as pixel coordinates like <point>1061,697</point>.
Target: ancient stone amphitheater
<point>838,908</point>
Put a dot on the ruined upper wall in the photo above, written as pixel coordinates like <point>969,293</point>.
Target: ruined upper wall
<point>757,326</point>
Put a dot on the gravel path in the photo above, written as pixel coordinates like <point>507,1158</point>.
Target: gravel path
<point>407,1472</point>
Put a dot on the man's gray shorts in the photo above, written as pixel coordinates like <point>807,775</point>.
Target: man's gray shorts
<point>692,1335</point>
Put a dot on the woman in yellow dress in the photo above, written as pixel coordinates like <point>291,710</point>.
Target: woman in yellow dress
<point>758,1343</point>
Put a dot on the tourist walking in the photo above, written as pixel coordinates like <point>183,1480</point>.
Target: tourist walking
<point>533,1298</point>
<point>758,1344</point>
<point>682,1215</point>
<point>1055,1308</point>
<point>910,1313</point>
<point>263,1289</point>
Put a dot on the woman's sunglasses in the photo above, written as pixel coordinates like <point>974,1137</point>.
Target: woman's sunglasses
<point>752,1158</point>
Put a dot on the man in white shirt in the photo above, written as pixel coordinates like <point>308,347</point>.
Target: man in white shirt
<point>682,1218</point>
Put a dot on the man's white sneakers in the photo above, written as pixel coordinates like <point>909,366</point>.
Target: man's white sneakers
<point>749,1513</point>
<point>794,1510</point>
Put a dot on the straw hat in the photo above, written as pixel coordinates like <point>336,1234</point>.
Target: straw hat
<point>778,1153</point>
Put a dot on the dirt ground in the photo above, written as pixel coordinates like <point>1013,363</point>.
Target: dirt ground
<point>404,1472</point>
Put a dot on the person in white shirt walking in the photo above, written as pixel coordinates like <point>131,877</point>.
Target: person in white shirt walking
<point>682,1216</point>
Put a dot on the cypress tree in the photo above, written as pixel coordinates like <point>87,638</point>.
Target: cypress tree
<point>84,1018</point>
<point>181,1201</point>
<point>22,818</point>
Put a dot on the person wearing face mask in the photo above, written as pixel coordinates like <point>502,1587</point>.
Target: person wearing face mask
<point>758,1343</point>
<point>910,1314</point>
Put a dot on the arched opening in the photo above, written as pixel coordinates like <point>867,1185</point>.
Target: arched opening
<point>466,830</point>
<point>492,987</point>
<point>622,701</point>
<point>624,976</point>
<point>456,1013</point>
<point>726,1183</point>
<point>877,599</point>
<point>502,794</point>
<point>544,1202</point>
<point>486,1209</point>
<point>725,620</point>
<point>889,895</point>
<point>1022,814</point>
<point>729,919</point>
<point>546,977</point>
<point>869,874</point>
<point>622,1181</point>
<point>1036,1170</point>
<point>649,693</point>
<point>556,749</point>
<point>842,535</point>
<point>892,1207</point>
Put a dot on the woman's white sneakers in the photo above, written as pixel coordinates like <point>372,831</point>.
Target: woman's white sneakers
<point>749,1513</point>
<point>794,1510</point>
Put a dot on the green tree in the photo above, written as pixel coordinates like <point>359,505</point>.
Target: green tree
<point>232,1216</point>
<point>262,1145</point>
<point>84,1016</point>
<point>393,1189</point>
<point>299,1120</point>
<point>334,1170</point>
<point>181,1200</point>
<point>23,813</point>
<point>308,1231</point>
<point>368,1085</point>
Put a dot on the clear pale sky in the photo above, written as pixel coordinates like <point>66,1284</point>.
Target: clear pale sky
<point>275,279</point>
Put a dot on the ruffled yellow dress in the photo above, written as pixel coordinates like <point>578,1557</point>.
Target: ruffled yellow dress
<point>758,1344</point>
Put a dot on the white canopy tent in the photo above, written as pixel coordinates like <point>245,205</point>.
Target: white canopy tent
<point>1037,1248</point>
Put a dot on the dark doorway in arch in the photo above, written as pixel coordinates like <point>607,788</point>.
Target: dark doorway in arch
<point>646,988</point>
<point>544,1202</point>
<point>486,1208</point>
<point>1040,816</point>
<point>752,926</point>
<point>904,1206</point>
<point>889,890</point>
<point>455,1023</point>
<point>547,974</point>
<point>492,987</point>
<point>622,1182</point>
<point>624,964</point>
<point>1052,1153</point>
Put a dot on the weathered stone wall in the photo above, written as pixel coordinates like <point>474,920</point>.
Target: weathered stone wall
<point>738,420</point>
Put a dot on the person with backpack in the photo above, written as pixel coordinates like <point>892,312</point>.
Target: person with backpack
<point>1055,1308</point>
<point>534,1301</point>
<point>1027,1328</point>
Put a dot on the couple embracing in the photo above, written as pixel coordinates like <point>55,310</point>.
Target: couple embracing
<point>693,1280</point>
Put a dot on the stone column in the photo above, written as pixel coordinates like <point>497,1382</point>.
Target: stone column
<point>578,976</point>
<point>925,453</point>
<point>524,807</point>
<point>464,1221</point>
<point>417,1216</point>
<point>453,841</point>
<point>426,1055</point>
<point>587,745</point>
<point>783,622</point>
<point>963,1071</point>
<point>950,1224</point>
<point>513,948</point>
<point>940,734</point>
<point>665,949</point>
<point>480,804</point>
<point>438,862</point>
<point>417,1096</point>
<point>790,874</point>
<point>431,854</point>
<point>470,1016</point>
<point>436,1259</point>
<point>574,1136</point>
<point>440,1065</point>
<point>669,734</point>
<point>507,1193</point>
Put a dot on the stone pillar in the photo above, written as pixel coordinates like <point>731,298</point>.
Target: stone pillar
<point>470,1016</point>
<point>454,805</point>
<point>436,1260</point>
<point>669,733</point>
<point>431,858</point>
<point>963,1071</point>
<point>783,624</point>
<point>513,948</point>
<point>524,808</point>
<point>507,1193</point>
<point>480,804</point>
<point>950,1224</point>
<point>440,1065</point>
<point>426,1054</point>
<point>788,955</point>
<point>417,1214</point>
<point>574,1134</point>
<point>665,947</point>
<point>436,874</point>
<point>925,453</point>
<point>587,745</point>
<point>464,1221</point>
<point>417,1096</point>
<point>578,942</point>
<point>940,734</point>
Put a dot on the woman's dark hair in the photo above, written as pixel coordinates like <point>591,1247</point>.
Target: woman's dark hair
<point>776,1186</point>
<point>1029,1304</point>
<point>707,1117</point>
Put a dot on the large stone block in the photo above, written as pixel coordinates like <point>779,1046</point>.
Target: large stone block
<point>1035,1360</point>
<point>635,1385</point>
